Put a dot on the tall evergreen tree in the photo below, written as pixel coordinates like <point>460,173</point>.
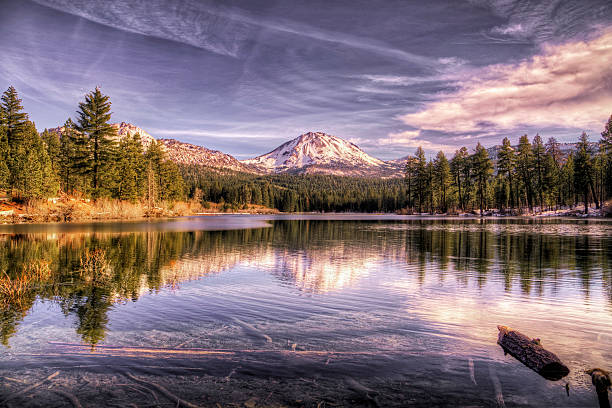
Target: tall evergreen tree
<point>570,196</point>
<point>4,158</point>
<point>606,148</point>
<point>583,172</point>
<point>442,178</point>
<point>76,159</point>
<point>52,144</point>
<point>31,174</point>
<point>552,170</point>
<point>13,118</point>
<point>421,177</point>
<point>482,170</point>
<point>538,166</point>
<point>410,173</point>
<point>506,168</point>
<point>460,169</point>
<point>164,180</point>
<point>94,122</point>
<point>131,169</point>
<point>524,165</point>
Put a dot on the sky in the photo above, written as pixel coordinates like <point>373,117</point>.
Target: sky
<point>245,76</point>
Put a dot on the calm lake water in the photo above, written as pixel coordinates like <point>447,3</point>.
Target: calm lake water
<point>303,311</point>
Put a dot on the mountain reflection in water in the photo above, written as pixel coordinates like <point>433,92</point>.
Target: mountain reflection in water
<point>377,285</point>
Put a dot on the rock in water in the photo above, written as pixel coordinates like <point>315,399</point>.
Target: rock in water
<point>531,353</point>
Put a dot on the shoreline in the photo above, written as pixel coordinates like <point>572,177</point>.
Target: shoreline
<point>165,217</point>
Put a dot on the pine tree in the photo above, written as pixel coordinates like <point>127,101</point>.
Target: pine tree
<point>442,179</point>
<point>583,171</point>
<point>164,178</point>
<point>4,157</point>
<point>506,168</point>
<point>460,169</point>
<point>13,118</point>
<point>410,178</point>
<point>52,144</point>
<point>76,159</point>
<point>172,182</point>
<point>538,166</point>
<point>482,170</point>
<point>552,170</point>
<point>429,185</point>
<point>606,148</point>
<point>93,121</point>
<point>525,170</point>
<point>567,176</point>
<point>31,171</point>
<point>131,169</point>
<point>421,178</point>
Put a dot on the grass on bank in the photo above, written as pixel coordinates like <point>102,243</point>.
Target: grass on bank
<point>67,208</point>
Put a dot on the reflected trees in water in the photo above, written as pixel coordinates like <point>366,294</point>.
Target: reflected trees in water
<point>314,256</point>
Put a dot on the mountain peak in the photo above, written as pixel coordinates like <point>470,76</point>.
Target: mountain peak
<point>318,152</point>
<point>127,129</point>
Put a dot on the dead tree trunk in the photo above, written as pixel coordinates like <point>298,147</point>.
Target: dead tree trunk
<point>531,353</point>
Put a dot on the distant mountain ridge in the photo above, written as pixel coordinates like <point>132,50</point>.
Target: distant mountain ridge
<point>187,153</point>
<point>309,153</point>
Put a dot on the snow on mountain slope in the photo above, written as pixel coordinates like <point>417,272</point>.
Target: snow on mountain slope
<point>317,152</point>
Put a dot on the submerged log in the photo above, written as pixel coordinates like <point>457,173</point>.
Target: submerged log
<point>531,353</point>
<point>601,380</point>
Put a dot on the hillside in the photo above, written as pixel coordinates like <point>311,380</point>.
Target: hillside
<point>186,153</point>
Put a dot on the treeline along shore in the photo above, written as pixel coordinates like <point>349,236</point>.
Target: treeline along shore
<point>529,178</point>
<point>86,171</point>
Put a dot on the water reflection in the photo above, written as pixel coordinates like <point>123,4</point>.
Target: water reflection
<point>314,257</point>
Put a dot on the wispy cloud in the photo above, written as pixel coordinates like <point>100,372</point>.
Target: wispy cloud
<point>565,86</point>
<point>413,139</point>
<point>160,133</point>
<point>512,29</point>
<point>194,23</point>
<point>531,22</point>
<point>227,31</point>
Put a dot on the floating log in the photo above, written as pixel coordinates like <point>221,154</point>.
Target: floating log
<point>601,380</point>
<point>531,353</point>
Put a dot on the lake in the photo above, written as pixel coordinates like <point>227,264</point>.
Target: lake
<point>316,311</point>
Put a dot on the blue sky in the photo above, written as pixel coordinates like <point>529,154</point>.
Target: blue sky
<point>245,76</point>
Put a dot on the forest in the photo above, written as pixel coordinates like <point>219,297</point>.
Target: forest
<point>531,177</point>
<point>86,159</point>
<point>295,193</point>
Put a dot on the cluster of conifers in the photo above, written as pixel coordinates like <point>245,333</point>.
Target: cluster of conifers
<point>85,159</point>
<point>532,176</point>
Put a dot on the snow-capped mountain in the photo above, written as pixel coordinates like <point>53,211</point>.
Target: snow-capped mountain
<point>318,152</point>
